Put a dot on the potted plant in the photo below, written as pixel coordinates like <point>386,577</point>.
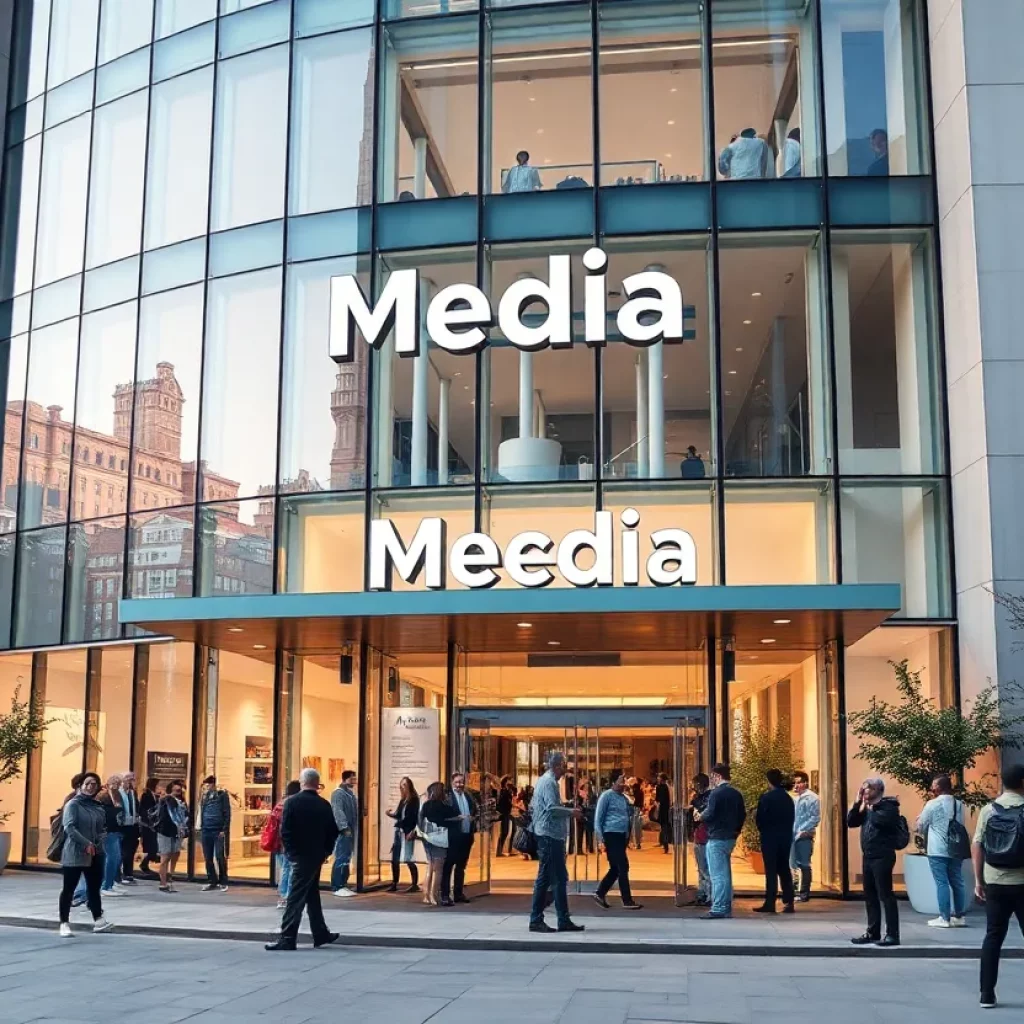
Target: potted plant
<point>914,740</point>
<point>21,731</point>
<point>760,748</point>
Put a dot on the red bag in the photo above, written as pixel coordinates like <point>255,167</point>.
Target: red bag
<point>270,837</point>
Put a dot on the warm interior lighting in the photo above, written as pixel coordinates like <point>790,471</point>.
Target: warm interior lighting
<point>235,629</point>
<point>782,622</point>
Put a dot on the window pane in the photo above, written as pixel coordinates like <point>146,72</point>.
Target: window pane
<point>243,332</point>
<point>331,136</point>
<point>166,426</point>
<point>28,50</point>
<point>15,680</point>
<point>418,8</point>
<point>652,93</point>
<point>50,401</point>
<point>425,405</point>
<point>539,96</point>
<point>322,540</point>
<point>41,560</point>
<point>115,195</point>
<point>249,138</point>
<point>537,408</point>
<point>428,140</point>
<point>763,59</point>
<point>179,159</point>
<point>656,401</point>
<point>114,720</point>
<point>897,533</point>
<point>96,564</point>
<point>887,354</point>
<point>18,228</point>
<point>72,39</point>
<point>13,355</point>
<point>99,481</point>
<point>236,554</point>
<point>323,416</point>
<point>125,25</point>
<point>875,94</point>
<point>160,553</point>
<point>779,533</point>
<point>774,367</point>
<point>62,200</point>
<point>175,15</point>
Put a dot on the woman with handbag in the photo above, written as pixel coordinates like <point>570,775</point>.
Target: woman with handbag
<point>403,850</point>
<point>948,845</point>
<point>436,814</point>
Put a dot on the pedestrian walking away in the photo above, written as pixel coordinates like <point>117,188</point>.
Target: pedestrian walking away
<point>308,834</point>
<point>947,845</point>
<point>998,855</point>
<point>345,807</point>
<point>883,831</point>
<point>460,843</point>
<point>775,815</point>
<point>83,821</point>
<point>550,821</point>
<point>612,821</point>
<point>403,847</point>
<point>805,827</point>
<point>214,832</point>
<point>724,816</point>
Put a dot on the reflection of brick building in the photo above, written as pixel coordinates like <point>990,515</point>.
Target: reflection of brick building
<point>348,410</point>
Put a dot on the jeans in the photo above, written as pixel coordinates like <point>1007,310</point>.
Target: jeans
<point>92,876</point>
<point>949,874</point>
<point>719,853</point>
<point>800,862</point>
<point>618,866</point>
<point>284,875</point>
<point>878,894</point>
<point>700,854</point>
<point>1001,903</point>
<point>551,874</point>
<point>343,847</point>
<point>111,859</point>
<point>215,856</point>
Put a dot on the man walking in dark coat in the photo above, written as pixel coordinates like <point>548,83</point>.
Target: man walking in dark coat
<point>308,832</point>
<point>776,813</point>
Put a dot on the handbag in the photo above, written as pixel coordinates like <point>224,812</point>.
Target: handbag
<point>436,835</point>
<point>57,837</point>
<point>524,841</point>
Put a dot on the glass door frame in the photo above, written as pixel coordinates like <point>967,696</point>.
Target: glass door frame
<point>473,755</point>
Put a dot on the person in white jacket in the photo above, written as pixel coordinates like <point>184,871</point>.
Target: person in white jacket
<point>947,870</point>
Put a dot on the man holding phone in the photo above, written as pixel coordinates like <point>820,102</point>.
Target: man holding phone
<point>878,818</point>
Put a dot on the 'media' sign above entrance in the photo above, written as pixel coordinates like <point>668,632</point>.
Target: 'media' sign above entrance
<point>458,316</point>
<point>530,558</point>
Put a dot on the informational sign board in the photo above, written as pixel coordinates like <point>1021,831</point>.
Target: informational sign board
<point>410,745</point>
<point>167,765</point>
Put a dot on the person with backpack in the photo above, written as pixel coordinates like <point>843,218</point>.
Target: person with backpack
<point>171,830</point>
<point>270,842</point>
<point>948,845</point>
<point>998,856</point>
<point>883,831</point>
<point>81,852</point>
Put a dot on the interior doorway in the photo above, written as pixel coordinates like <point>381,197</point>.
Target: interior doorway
<point>654,747</point>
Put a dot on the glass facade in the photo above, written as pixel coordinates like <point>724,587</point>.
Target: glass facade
<point>183,178</point>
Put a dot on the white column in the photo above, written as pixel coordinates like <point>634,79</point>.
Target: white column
<point>642,424</point>
<point>835,100</point>
<point>526,394</point>
<point>391,87</point>
<point>913,365</point>
<point>419,174</point>
<point>841,315</point>
<point>442,431</point>
<point>807,91</point>
<point>420,395</point>
<point>817,362</point>
<point>540,415</point>
<point>656,409</point>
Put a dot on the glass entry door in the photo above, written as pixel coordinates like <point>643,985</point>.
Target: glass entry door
<point>474,759</point>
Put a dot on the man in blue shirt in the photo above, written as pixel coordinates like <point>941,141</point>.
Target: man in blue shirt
<point>550,818</point>
<point>805,825</point>
<point>611,825</point>
<point>724,817</point>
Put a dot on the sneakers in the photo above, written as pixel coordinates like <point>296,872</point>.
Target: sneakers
<point>601,901</point>
<point>344,892</point>
<point>939,922</point>
<point>102,925</point>
<point>128,881</point>
<point>209,888</point>
<point>988,1000</point>
<point>65,930</point>
<point>958,922</point>
<point>104,893</point>
<point>802,898</point>
<point>632,906</point>
<point>281,904</point>
<point>222,887</point>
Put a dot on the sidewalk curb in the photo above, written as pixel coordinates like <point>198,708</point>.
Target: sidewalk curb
<point>553,944</point>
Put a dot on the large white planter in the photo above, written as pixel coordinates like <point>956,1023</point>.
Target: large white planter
<point>524,459</point>
<point>5,849</point>
<point>917,877</point>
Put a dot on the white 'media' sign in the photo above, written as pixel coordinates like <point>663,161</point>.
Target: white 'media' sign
<point>530,558</point>
<point>457,317</point>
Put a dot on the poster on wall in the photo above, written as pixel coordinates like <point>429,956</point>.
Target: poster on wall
<point>410,744</point>
<point>166,765</point>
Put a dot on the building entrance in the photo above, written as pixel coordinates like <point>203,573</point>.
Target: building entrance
<point>659,750</point>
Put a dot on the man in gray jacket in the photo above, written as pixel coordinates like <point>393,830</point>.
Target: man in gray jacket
<point>84,823</point>
<point>345,805</point>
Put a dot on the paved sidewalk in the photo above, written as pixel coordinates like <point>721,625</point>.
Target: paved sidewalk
<point>819,928</point>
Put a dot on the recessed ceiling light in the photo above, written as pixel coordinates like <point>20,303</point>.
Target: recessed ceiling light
<point>755,295</point>
<point>732,373</point>
<point>533,99</point>
<point>747,323</point>
<point>668,156</point>
<point>457,373</point>
<point>671,122</point>
<point>540,131</point>
<point>673,89</point>
<point>782,622</point>
<point>259,647</point>
<point>547,159</point>
<point>525,625</point>
<point>554,643</point>
<point>739,348</point>
<point>664,376</point>
<point>235,629</point>
<point>465,387</point>
<point>728,392</point>
<point>768,640</point>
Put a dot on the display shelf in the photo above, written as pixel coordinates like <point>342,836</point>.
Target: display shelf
<point>258,762</point>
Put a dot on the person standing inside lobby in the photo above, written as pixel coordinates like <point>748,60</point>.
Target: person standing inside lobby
<point>663,800</point>
<point>724,817</point>
<point>880,823</point>
<point>460,843</point>
<point>214,829</point>
<point>345,806</point>
<point>522,177</point>
<point>612,821</point>
<point>805,826</point>
<point>776,813</point>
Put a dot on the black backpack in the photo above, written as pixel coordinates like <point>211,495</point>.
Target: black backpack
<point>1004,837</point>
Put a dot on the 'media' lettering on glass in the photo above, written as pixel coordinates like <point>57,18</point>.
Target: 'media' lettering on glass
<point>530,558</point>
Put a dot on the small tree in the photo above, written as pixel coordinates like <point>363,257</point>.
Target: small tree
<point>21,731</point>
<point>914,740</point>
<point>760,748</point>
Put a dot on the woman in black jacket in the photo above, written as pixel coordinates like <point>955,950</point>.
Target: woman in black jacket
<point>403,851</point>
<point>503,807</point>
<point>148,801</point>
<point>436,815</point>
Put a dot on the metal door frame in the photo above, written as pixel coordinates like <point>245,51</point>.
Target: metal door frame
<point>470,728</point>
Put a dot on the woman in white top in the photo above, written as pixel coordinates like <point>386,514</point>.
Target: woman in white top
<point>947,869</point>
